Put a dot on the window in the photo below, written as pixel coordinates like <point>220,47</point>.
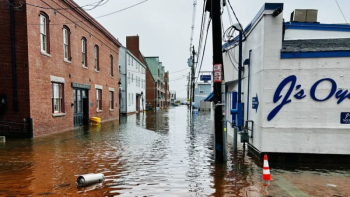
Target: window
<point>129,77</point>
<point>201,89</point>
<point>66,43</point>
<point>129,100</point>
<point>111,100</point>
<point>44,32</point>
<point>97,66</point>
<point>128,59</point>
<point>57,98</point>
<point>83,52</point>
<point>98,99</point>
<point>132,62</point>
<point>111,69</point>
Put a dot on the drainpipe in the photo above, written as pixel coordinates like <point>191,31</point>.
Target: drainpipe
<point>13,54</point>
<point>248,91</point>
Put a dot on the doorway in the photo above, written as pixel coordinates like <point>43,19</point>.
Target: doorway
<point>137,103</point>
<point>81,107</point>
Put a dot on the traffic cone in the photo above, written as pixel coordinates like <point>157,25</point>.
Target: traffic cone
<point>266,170</point>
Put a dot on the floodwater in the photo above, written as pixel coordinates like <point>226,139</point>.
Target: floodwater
<point>150,154</point>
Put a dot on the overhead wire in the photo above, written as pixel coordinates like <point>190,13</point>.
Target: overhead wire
<point>201,32</point>
<point>234,13</point>
<point>342,12</point>
<point>80,21</point>
<point>205,43</point>
<point>98,3</point>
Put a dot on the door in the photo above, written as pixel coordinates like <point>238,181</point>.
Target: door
<point>137,103</point>
<point>81,106</point>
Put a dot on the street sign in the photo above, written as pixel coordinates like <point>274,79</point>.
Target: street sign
<point>345,118</point>
<point>255,103</point>
<point>217,73</point>
<point>205,77</point>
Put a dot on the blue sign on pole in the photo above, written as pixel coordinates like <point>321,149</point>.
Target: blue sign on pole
<point>255,103</point>
<point>345,118</point>
<point>205,77</point>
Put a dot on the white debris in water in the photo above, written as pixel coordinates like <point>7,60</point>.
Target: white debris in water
<point>331,185</point>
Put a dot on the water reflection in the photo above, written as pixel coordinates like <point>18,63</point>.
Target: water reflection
<point>149,154</point>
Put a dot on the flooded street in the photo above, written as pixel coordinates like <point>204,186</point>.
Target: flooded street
<point>149,155</point>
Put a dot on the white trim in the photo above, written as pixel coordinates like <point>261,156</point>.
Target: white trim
<point>111,110</point>
<point>98,87</point>
<point>111,89</point>
<point>58,114</point>
<point>56,79</point>
<point>66,60</point>
<point>85,67</point>
<point>45,53</point>
<point>99,111</point>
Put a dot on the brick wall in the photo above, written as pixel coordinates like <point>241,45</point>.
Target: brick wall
<point>41,67</point>
<point>6,80</point>
<point>150,89</point>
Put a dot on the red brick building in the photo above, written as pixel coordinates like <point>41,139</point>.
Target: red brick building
<point>63,69</point>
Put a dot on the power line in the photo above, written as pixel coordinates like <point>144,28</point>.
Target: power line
<point>205,43</point>
<point>80,21</point>
<point>96,4</point>
<point>236,17</point>
<point>201,32</point>
<point>178,71</point>
<point>178,78</point>
<point>341,12</point>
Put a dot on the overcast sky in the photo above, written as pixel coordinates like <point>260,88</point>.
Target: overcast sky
<point>164,26</point>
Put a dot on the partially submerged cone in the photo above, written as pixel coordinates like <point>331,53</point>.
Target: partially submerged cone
<point>266,170</point>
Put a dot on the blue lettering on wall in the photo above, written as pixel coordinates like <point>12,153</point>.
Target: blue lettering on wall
<point>292,80</point>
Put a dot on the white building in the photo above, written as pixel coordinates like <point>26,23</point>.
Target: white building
<point>299,80</point>
<point>172,97</point>
<point>132,78</point>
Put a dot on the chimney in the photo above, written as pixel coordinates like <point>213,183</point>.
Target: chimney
<point>133,44</point>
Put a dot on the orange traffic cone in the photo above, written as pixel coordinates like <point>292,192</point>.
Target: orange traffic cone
<point>266,170</point>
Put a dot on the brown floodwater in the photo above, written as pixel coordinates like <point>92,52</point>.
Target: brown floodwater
<point>163,154</point>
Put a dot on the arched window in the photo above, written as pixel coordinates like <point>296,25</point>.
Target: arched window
<point>83,52</point>
<point>97,66</point>
<point>66,43</point>
<point>44,32</point>
<point>111,69</point>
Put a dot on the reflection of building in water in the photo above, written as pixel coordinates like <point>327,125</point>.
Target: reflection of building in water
<point>294,83</point>
<point>16,167</point>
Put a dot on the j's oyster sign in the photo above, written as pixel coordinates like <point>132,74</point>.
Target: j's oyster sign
<point>291,84</point>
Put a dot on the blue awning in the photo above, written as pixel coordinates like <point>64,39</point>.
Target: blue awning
<point>210,97</point>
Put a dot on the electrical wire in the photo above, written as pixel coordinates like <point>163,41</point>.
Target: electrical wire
<point>205,43</point>
<point>201,32</point>
<point>234,13</point>
<point>193,21</point>
<point>96,4</point>
<point>341,12</point>
<point>80,21</point>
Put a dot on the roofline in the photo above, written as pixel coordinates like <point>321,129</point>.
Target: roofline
<point>143,57</point>
<point>266,6</point>
<point>317,26</point>
<point>92,21</point>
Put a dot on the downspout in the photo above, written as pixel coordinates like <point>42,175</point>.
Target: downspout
<point>248,91</point>
<point>13,54</point>
<point>126,82</point>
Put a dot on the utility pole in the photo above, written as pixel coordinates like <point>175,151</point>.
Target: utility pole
<point>220,144</point>
<point>193,77</point>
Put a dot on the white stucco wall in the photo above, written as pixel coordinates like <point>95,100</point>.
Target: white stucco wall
<point>302,126</point>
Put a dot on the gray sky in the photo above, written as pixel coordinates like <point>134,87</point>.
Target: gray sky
<point>164,26</point>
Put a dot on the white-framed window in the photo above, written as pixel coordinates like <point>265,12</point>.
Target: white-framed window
<point>111,100</point>
<point>201,89</point>
<point>98,99</point>
<point>66,35</point>
<point>96,56</point>
<point>129,99</point>
<point>83,52</point>
<point>128,59</point>
<point>129,77</point>
<point>44,33</point>
<point>57,97</point>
